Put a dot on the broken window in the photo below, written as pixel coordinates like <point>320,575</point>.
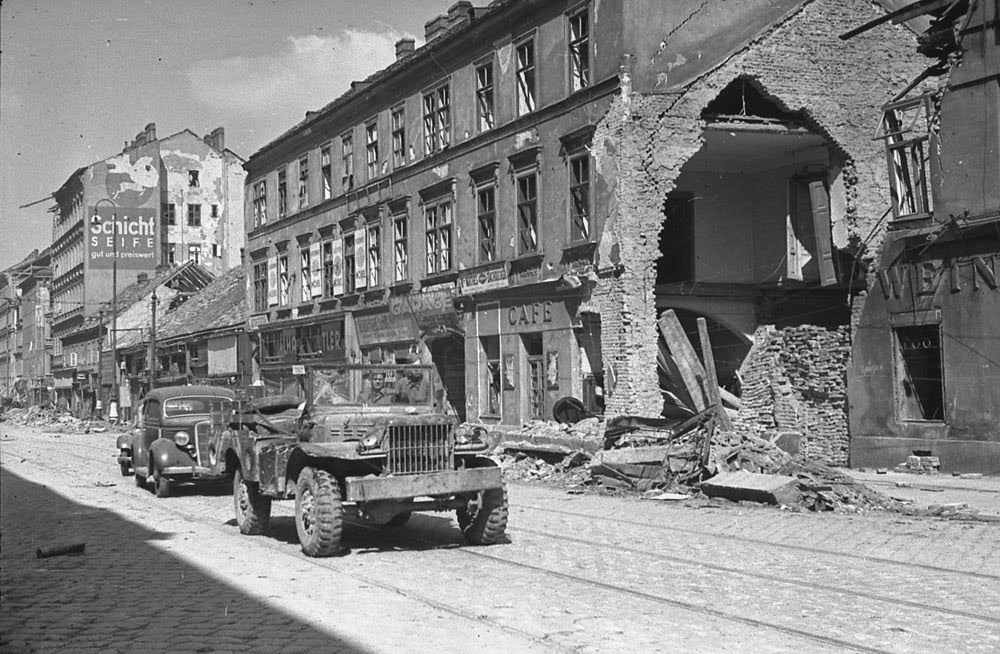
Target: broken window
<point>374,255</point>
<point>400,238</point>
<point>303,181</point>
<point>325,171</point>
<point>437,119</point>
<point>349,264</point>
<point>328,270</point>
<point>487,215</point>
<point>438,226</point>
<point>536,373</point>
<point>809,240</point>
<point>171,253</point>
<point>305,274</point>
<point>282,195</point>
<point>194,253</point>
<point>192,178</point>
<point>284,281</point>
<point>579,193</point>
<point>347,161</point>
<point>398,125</point>
<point>371,149</point>
<point>484,97</point>
<point>525,77</point>
<point>579,51</point>
<point>906,130</point>
<point>215,211</point>
<point>491,394</point>
<point>919,380</point>
<point>259,204</point>
<point>527,213</point>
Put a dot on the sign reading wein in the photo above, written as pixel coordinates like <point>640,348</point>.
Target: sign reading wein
<point>135,230</point>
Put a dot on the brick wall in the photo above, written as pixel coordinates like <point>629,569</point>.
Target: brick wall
<point>794,379</point>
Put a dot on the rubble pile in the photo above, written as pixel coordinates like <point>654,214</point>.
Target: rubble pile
<point>55,419</point>
<point>823,488</point>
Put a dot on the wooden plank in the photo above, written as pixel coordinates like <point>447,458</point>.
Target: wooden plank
<point>821,228</point>
<point>689,367</point>
<point>711,379</point>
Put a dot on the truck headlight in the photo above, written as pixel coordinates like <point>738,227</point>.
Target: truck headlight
<point>182,438</point>
<point>370,441</point>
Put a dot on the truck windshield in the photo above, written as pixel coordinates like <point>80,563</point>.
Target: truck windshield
<point>406,385</point>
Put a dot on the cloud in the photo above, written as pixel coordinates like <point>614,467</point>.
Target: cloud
<point>310,73</point>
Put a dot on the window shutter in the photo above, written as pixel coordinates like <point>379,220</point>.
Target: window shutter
<point>820,201</point>
<point>316,269</point>
<point>272,281</point>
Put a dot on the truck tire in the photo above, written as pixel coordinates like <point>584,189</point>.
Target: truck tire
<point>253,510</point>
<point>140,480</point>
<point>319,514</point>
<point>487,523</point>
<point>162,486</point>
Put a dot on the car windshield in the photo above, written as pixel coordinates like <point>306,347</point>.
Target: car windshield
<point>401,385</point>
<point>185,406</point>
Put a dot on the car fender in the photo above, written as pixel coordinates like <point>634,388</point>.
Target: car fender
<point>485,461</point>
<point>164,453</point>
<point>124,442</point>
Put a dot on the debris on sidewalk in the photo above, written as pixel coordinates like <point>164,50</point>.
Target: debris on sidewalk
<point>56,420</point>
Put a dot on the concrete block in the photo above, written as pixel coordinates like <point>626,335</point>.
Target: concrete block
<point>753,487</point>
<point>789,441</point>
<point>633,455</point>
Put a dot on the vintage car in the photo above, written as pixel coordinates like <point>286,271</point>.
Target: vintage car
<point>171,439</point>
<point>362,441</point>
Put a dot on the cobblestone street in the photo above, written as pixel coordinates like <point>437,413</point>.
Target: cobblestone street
<point>580,573</point>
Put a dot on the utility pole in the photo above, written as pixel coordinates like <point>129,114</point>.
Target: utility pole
<point>100,366</point>
<point>151,357</point>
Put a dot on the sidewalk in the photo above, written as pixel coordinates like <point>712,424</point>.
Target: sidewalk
<point>980,494</point>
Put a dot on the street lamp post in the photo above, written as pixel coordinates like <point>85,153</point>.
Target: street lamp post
<point>96,220</point>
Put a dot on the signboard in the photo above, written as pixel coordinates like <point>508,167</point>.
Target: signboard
<point>272,281</point>
<point>135,232</point>
<point>360,259</point>
<point>384,328</point>
<point>338,266</point>
<point>315,269</point>
<point>483,279</point>
<point>433,310</point>
<point>298,369</point>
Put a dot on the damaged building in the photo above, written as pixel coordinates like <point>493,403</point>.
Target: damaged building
<point>926,361</point>
<point>520,199</point>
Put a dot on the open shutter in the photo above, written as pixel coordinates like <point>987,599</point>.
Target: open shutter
<point>316,269</point>
<point>820,201</point>
<point>272,281</point>
<point>360,259</point>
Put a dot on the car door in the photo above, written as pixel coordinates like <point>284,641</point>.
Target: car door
<point>147,432</point>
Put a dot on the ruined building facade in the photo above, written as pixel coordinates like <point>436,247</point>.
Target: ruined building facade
<point>519,199</point>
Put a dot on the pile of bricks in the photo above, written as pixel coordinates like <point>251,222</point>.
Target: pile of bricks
<point>54,420</point>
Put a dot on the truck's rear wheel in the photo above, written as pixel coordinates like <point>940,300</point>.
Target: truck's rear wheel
<point>485,522</point>
<point>253,510</point>
<point>319,514</point>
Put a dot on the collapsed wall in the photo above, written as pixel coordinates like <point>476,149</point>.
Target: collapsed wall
<point>794,379</point>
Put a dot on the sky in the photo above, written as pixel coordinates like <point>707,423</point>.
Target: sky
<point>78,78</point>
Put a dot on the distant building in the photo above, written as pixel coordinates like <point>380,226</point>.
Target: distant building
<point>519,199</point>
<point>25,343</point>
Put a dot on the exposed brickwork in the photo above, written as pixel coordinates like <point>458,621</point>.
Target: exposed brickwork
<point>794,379</point>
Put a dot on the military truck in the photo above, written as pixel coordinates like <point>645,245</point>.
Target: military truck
<point>359,440</point>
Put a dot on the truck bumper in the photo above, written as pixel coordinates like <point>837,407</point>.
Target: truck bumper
<point>449,482</point>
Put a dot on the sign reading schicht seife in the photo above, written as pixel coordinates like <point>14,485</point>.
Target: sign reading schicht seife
<point>135,231</point>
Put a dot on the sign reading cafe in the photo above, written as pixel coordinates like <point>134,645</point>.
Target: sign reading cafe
<point>135,232</point>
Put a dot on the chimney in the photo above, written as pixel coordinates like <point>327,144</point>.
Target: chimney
<point>435,27</point>
<point>217,138</point>
<point>405,47</point>
<point>150,132</point>
<point>142,277</point>
<point>460,12</point>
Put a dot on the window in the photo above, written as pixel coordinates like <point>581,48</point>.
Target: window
<point>282,195</point>
<point>260,203</point>
<point>194,215</point>
<point>487,218</point>
<point>347,160</point>
<point>920,385</point>
<point>525,78</point>
<point>194,253</point>
<point>374,255</point>
<point>437,120</point>
<point>400,250</point>
<point>579,51</point>
<point>215,250</point>
<point>579,192</point>
<point>484,97</point>
<point>171,253</point>
<point>398,137</point>
<point>304,181</point>
<point>193,178</point>
<point>810,240</point>
<point>328,269</point>
<point>284,281</point>
<point>325,170</point>
<point>371,149</point>
<point>170,213</point>
<point>349,263</point>
<point>536,373</point>
<point>215,211</point>
<point>438,221</point>
<point>906,130</point>
<point>305,275</point>
<point>527,213</point>
<point>491,395</point>
<point>260,286</point>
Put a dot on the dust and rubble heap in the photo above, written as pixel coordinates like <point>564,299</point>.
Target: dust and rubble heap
<point>54,419</point>
<point>654,458</point>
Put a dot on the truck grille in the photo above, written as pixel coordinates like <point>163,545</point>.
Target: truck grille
<point>202,433</point>
<point>415,449</point>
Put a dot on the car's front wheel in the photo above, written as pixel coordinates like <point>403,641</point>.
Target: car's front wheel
<point>484,521</point>
<point>319,513</point>
<point>253,510</point>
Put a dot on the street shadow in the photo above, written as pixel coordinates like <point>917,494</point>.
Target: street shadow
<point>124,593</point>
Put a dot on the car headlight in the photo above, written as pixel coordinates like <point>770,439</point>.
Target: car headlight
<point>182,438</point>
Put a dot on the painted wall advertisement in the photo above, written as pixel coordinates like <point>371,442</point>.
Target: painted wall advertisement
<point>135,232</point>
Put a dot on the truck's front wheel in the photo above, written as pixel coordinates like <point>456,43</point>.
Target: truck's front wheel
<point>253,510</point>
<point>484,522</point>
<point>319,514</point>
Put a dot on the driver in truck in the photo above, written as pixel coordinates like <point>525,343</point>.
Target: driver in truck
<point>376,393</point>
